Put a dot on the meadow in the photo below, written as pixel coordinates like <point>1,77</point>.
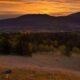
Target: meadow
<point>40,67</point>
<point>28,74</point>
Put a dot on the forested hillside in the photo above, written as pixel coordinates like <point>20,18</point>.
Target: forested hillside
<point>27,43</point>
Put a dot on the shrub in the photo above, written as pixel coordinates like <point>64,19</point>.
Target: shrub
<point>76,50</point>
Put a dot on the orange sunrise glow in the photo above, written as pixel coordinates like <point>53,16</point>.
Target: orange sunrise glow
<point>51,7</point>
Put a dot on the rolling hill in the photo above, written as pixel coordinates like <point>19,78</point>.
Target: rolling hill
<point>41,22</point>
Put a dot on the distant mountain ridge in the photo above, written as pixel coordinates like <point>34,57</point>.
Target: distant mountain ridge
<point>41,22</point>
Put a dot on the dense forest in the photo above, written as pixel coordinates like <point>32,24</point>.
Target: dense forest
<point>29,43</point>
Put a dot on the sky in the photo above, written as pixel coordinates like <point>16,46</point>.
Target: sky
<point>12,8</point>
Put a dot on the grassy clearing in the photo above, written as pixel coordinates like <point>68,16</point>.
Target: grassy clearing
<point>28,74</point>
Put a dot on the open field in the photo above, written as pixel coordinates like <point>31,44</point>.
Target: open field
<point>30,74</point>
<point>42,60</point>
<point>41,67</point>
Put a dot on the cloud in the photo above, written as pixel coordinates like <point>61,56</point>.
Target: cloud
<point>51,0</point>
<point>52,7</point>
<point>44,0</point>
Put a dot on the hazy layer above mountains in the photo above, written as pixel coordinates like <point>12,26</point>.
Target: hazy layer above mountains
<point>41,22</point>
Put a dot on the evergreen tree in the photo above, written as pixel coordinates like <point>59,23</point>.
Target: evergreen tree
<point>5,46</point>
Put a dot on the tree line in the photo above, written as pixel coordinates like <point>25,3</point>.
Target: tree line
<point>29,43</point>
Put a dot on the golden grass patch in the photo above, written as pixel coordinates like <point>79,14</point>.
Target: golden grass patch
<point>28,74</point>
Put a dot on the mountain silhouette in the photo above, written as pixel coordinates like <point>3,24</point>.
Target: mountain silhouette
<point>41,22</point>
